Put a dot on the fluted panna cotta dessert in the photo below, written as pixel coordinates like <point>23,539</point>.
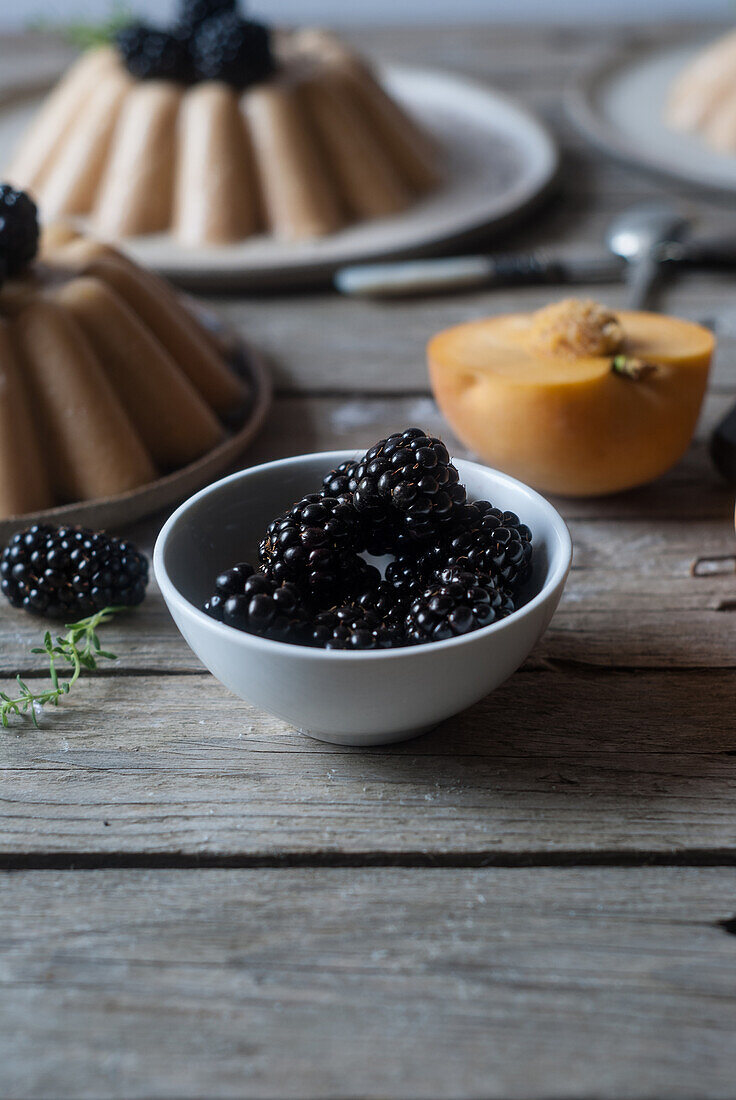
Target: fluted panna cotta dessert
<point>702,100</point>
<point>106,380</point>
<point>219,129</point>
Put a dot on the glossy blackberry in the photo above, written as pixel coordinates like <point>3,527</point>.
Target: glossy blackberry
<point>314,544</point>
<point>410,573</point>
<point>409,482</point>
<point>350,627</point>
<point>237,51</point>
<point>18,230</point>
<point>231,582</point>
<point>192,13</point>
<point>153,54</point>
<point>380,536</point>
<point>340,482</point>
<point>390,606</point>
<point>251,602</point>
<point>456,603</point>
<point>493,542</point>
<point>71,572</point>
<point>359,577</point>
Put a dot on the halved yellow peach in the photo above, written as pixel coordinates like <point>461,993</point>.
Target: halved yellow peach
<point>574,424</point>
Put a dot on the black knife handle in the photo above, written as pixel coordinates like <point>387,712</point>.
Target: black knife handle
<point>526,268</point>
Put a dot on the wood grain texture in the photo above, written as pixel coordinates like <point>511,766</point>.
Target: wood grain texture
<point>556,761</point>
<point>615,743</point>
<point>408,984</point>
<point>630,599</point>
<point>333,345</point>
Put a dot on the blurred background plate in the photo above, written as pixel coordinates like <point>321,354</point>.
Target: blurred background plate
<point>113,513</point>
<point>499,160</point>
<point>619,105</point>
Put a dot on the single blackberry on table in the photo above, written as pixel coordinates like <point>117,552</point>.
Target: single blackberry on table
<point>153,54</point>
<point>456,602</point>
<point>192,13</point>
<point>71,572</point>
<point>314,544</point>
<point>18,230</point>
<point>408,480</point>
<point>492,542</point>
<point>249,601</point>
<point>237,51</point>
<point>349,627</point>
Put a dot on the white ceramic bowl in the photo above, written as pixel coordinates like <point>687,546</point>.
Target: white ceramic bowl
<point>368,698</point>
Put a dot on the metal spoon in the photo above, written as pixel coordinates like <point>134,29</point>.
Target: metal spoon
<point>639,235</point>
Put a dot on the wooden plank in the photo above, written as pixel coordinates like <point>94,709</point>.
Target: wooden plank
<point>630,601</point>
<point>630,581</point>
<point>409,984</point>
<point>326,344</point>
<point>557,761</point>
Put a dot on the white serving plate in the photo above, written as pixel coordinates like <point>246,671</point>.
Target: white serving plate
<point>619,105</point>
<point>499,160</point>
<point>348,698</point>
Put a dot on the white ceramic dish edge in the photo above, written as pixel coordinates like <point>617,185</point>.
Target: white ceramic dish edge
<point>618,104</point>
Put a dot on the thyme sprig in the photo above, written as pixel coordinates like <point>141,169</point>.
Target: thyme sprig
<point>79,649</point>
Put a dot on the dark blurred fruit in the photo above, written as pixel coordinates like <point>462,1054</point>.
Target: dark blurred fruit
<point>234,50</point>
<point>153,54</point>
<point>192,13</point>
<point>18,230</point>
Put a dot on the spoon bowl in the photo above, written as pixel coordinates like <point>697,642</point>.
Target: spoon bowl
<point>640,236</point>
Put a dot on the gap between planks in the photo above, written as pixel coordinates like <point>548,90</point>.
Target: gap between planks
<point>13,863</point>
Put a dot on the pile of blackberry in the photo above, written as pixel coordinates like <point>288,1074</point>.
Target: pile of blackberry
<point>210,40</point>
<point>70,573</point>
<point>456,565</point>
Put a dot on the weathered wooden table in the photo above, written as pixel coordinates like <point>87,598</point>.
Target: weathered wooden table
<point>536,900</point>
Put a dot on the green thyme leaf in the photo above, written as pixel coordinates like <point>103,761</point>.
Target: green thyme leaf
<point>79,648</point>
